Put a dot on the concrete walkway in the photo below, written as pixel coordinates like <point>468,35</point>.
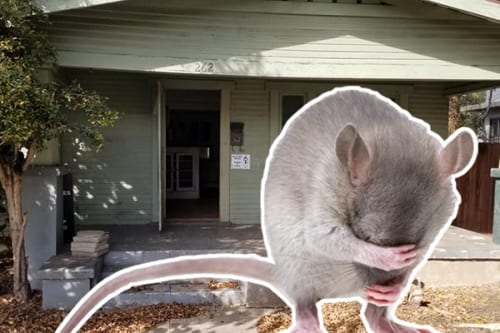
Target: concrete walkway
<point>462,244</point>
<point>221,320</point>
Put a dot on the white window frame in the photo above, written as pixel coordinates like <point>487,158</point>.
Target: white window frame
<point>399,93</point>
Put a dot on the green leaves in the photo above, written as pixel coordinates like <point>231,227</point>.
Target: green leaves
<point>22,33</point>
<point>32,112</point>
<point>97,114</point>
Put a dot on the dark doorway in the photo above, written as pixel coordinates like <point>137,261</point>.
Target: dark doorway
<point>192,157</point>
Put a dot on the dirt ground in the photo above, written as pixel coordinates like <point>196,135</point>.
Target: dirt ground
<point>444,308</point>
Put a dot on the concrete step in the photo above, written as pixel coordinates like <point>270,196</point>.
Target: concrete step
<point>186,292</point>
<point>446,268</point>
<point>189,291</point>
<point>130,258</point>
<point>460,272</point>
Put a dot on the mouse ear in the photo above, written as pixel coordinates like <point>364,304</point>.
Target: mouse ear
<point>459,153</point>
<point>353,153</point>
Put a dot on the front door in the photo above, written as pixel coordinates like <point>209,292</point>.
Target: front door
<point>192,160</point>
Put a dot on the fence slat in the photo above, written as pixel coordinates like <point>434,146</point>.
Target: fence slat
<point>477,190</point>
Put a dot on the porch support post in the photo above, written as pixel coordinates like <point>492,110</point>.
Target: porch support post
<point>495,173</point>
<point>225,119</point>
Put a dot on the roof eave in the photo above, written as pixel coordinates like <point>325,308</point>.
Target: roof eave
<point>51,6</point>
<point>484,9</point>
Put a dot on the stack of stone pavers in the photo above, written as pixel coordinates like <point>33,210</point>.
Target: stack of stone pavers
<point>90,243</point>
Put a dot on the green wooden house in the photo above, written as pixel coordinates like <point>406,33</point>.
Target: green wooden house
<point>204,87</point>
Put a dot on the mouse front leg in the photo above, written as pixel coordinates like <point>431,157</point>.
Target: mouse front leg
<point>339,243</point>
<point>386,258</point>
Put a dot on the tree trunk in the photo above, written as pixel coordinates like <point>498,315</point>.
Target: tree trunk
<point>453,114</point>
<point>17,223</point>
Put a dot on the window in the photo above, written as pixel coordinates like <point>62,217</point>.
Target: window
<point>494,130</point>
<point>289,105</point>
<point>288,97</point>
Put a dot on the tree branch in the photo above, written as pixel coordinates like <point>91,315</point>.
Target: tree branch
<point>3,176</point>
<point>29,157</point>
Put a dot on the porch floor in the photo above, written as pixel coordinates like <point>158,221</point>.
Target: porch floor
<point>456,244</point>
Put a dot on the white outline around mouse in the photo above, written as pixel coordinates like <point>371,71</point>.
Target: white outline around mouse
<point>262,270</point>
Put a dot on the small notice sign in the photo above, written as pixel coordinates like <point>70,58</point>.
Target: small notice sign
<point>240,161</point>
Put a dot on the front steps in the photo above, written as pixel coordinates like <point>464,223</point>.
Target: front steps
<point>189,291</point>
<point>462,258</point>
<point>185,292</point>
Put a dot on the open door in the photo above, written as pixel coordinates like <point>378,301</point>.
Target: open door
<point>162,121</point>
<point>192,155</point>
<point>192,147</point>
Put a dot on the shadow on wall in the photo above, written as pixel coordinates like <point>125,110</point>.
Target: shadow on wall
<point>108,185</point>
<point>42,202</point>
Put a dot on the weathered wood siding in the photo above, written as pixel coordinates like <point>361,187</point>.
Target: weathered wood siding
<point>250,105</point>
<point>114,186</point>
<point>428,102</point>
<point>118,184</point>
<point>280,39</point>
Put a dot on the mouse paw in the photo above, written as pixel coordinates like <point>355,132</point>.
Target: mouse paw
<point>390,258</point>
<point>383,295</point>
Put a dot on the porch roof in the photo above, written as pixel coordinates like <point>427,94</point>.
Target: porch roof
<point>406,40</point>
<point>51,6</point>
<point>485,9</point>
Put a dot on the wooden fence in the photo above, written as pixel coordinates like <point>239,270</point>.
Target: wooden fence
<point>477,190</point>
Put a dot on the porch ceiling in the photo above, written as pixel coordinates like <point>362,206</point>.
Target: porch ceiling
<point>454,88</point>
<point>279,39</point>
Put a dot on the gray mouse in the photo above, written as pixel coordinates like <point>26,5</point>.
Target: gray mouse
<point>355,194</point>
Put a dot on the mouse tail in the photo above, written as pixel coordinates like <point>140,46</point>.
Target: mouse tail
<point>250,267</point>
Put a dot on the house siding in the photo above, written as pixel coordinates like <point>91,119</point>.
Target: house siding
<point>428,102</point>
<point>117,184</point>
<point>250,105</point>
<point>114,185</point>
<point>233,38</point>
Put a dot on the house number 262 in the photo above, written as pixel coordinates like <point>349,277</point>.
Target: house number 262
<point>204,67</point>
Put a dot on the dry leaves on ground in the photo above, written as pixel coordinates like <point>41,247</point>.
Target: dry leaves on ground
<point>30,317</point>
<point>221,284</point>
<point>450,310</point>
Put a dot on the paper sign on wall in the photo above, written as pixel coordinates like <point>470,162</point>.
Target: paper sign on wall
<point>240,161</point>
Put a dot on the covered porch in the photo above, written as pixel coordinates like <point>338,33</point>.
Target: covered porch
<point>459,255</point>
<point>203,237</point>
